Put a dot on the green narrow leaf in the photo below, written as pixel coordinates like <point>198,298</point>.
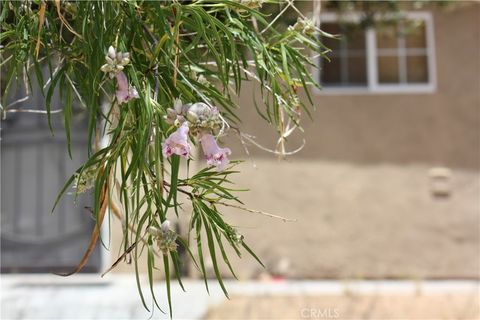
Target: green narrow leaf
<point>68,118</point>
<point>50,91</point>
<point>150,266</point>
<point>199,250</point>
<point>176,265</point>
<point>39,75</point>
<point>224,254</point>
<point>175,165</point>
<point>137,272</point>
<point>211,248</point>
<point>167,283</point>
<point>252,253</point>
<point>190,253</point>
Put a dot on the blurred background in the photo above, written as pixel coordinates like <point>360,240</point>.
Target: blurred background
<point>385,192</point>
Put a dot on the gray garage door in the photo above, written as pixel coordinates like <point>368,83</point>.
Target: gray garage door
<point>34,166</point>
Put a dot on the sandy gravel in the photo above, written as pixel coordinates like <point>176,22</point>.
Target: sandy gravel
<point>350,306</point>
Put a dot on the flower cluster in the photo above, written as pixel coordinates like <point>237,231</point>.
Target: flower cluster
<point>202,121</point>
<point>306,26</point>
<point>201,117</point>
<point>165,238</point>
<point>85,180</point>
<point>234,235</point>
<point>116,61</point>
<point>175,116</point>
<point>252,4</point>
<point>198,119</point>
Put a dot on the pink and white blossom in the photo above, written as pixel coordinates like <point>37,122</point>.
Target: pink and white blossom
<point>215,155</point>
<point>124,92</point>
<point>177,143</point>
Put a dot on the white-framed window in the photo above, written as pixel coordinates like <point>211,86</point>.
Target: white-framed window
<point>397,57</point>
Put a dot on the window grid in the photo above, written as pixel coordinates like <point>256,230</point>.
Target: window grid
<point>402,52</point>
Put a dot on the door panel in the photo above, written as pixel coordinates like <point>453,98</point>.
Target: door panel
<point>34,166</point>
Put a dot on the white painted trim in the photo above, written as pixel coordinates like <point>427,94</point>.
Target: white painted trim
<point>381,90</point>
<point>372,64</point>
<point>373,87</point>
<point>105,232</point>
<point>431,55</point>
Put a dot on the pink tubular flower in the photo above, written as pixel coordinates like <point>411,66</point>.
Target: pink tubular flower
<point>124,92</point>
<point>177,143</point>
<point>215,155</point>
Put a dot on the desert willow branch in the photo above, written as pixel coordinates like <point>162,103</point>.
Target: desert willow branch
<point>28,95</point>
<point>289,3</point>
<point>116,211</point>
<point>256,211</point>
<point>192,195</point>
<point>43,112</point>
<point>32,111</point>
<point>251,139</point>
<point>76,92</point>
<point>17,102</point>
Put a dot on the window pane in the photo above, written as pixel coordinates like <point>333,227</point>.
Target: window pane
<point>357,70</point>
<point>330,72</point>
<point>388,70</point>
<point>348,56</point>
<point>387,37</point>
<point>355,39</point>
<point>417,69</point>
<point>415,35</point>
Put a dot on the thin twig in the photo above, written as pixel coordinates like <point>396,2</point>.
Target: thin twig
<point>32,111</point>
<point>258,145</point>
<point>193,195</point>
<point>120,258</point>
<point>256,211</point>
<point>177,50</point>
<point>117,212</point>
<point>277,17</point>
<point>18,101</point>
<point>76,91</point>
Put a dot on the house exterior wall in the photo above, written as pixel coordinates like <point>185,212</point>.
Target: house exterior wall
<point>360,189</point>
<point>439,128</point>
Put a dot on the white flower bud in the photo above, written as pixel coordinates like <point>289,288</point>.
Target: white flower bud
<point>171,113</point>
<point>199,109</point>
<point>154,231</point>
<point>106,68</point>
<point>109,60</point>
<point>165,226</point>
<point>192,117</point>
<point>178,106</point>
<point>111,52</point>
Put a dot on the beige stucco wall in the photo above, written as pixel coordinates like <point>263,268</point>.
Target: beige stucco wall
<point>439,128</point>
<point>360,189</point>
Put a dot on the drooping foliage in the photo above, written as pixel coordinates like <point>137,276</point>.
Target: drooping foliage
<point>157,78</point>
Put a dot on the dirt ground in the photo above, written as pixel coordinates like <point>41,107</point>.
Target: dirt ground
<point>350,306</point>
